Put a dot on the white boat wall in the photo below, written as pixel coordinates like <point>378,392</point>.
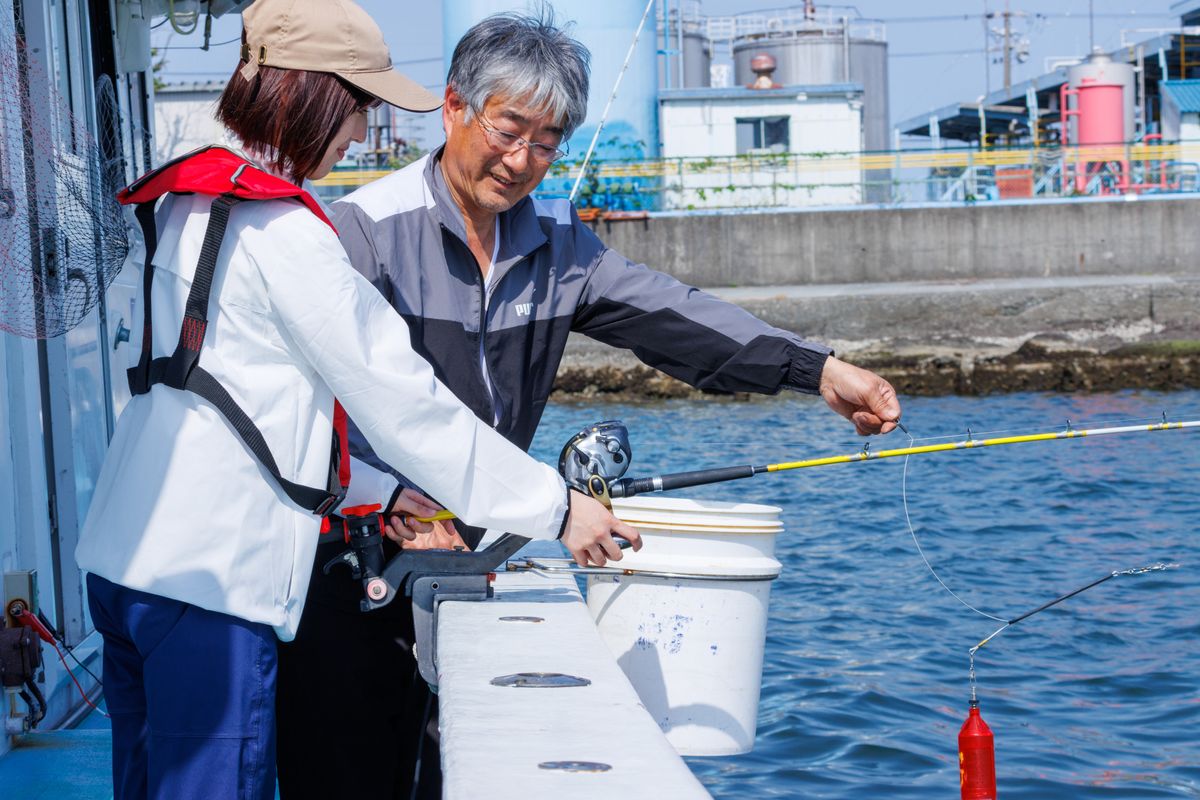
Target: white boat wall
<point>74,103</point>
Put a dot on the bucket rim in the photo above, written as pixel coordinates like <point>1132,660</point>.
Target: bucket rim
<point>685,515</point>
<point>693,506</point>
<point>682,527</point>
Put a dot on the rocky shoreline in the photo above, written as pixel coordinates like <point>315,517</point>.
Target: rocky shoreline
<point>1040,364</point>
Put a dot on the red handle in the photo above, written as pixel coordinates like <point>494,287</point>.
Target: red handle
<point>30,621</point>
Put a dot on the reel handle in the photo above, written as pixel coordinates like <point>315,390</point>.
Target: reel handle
<point>598,488</point>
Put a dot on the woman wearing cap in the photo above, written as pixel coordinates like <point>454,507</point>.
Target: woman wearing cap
<point>197,560</point>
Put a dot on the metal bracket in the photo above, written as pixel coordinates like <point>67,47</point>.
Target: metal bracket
<point>429,592</point>
<point>409,565</point>
<point>431,577</point>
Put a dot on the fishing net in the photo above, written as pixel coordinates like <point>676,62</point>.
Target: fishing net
<point>63,236</point>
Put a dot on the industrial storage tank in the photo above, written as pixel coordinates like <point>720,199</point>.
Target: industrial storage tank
<point>684,50</point>
<point>820,46</point>
<point>1102,111</point>
<point>606,29</point>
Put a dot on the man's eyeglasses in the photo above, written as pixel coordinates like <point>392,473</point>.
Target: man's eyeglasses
<point>507,142</point>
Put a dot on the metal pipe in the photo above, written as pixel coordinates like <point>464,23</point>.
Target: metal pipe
<point>845,49</point>
<point>1141,70</point>
<point>665,19</point>
<point>679,43</point>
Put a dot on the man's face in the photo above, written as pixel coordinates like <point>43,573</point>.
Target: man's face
<point>483,177</point>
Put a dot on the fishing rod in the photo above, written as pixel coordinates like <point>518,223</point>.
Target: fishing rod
<point>595,460</point>
<point>604,485</point>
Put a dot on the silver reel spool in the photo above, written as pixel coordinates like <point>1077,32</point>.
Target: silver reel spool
<point>599,449</point>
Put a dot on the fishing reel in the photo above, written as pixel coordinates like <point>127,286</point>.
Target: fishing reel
<point>594,458</point>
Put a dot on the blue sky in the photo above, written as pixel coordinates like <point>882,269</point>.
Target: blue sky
<point>932,62</point>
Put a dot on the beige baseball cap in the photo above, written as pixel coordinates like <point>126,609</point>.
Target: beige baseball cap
<point>334,36</point>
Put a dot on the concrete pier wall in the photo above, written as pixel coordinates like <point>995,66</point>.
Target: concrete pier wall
<point>1003,297</point>
<point>970,337</point>
<point>1146,236</point>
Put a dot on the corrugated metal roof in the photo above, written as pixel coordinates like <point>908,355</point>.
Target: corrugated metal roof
<point>1185,94</point>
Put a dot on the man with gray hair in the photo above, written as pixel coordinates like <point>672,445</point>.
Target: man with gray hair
<point>491,282</point>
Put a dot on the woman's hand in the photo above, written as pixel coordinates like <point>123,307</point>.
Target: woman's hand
<point>589,532</point>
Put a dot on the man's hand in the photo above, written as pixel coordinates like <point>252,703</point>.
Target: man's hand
<point>590,528</point>
<point>860,396</point>
<point>402,526</point>
<point>444,536</point>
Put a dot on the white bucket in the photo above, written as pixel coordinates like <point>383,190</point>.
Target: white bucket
<point>689,624</point>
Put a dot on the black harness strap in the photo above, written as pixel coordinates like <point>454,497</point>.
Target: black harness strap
<point>195,313</point>
<point>180,370</point>
<point>139,376</point>
<point>201,382</point>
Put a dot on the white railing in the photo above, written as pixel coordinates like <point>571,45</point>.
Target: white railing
<point>832,22</point>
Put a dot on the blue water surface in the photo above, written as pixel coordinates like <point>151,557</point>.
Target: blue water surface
<point>865,677</point>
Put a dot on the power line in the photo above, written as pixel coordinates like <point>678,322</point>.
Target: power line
<point>198,47</point>
<point>1133,15</point>
<point>933,53</point>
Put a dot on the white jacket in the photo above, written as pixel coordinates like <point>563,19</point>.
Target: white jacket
<point>182,508</point>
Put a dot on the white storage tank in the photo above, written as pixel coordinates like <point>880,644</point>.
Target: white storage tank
<point>684,50</point>
<point>687,622</point>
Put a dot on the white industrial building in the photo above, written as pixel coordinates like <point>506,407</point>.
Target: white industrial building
<point>736,145</point>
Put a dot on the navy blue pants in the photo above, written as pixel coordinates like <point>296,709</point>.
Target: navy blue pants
<point>192,698</point>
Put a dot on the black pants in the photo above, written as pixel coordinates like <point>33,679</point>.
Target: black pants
<point>355,718</point>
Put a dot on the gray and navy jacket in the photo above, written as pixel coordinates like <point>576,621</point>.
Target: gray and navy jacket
<point>553,275</point>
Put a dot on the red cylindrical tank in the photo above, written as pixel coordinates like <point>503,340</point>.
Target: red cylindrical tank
<point>1101,117</point>
<point>1103,92</point>
<point>976,758</point>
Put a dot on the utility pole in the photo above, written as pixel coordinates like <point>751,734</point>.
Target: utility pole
<point>1007,49</point>
<point>987,50</point>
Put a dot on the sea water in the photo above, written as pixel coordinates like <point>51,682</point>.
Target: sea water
<point>865,680</point>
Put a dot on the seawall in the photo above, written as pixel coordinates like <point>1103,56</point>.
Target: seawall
<point>1053,239</point>
<point>1060,296</point>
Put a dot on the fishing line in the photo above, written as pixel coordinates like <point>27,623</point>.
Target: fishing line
<point>912,531</point>
<point>1008,623</point>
